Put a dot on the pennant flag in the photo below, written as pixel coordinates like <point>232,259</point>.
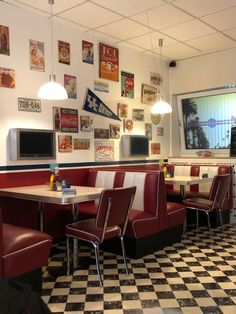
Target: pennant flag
<point>94,104</point>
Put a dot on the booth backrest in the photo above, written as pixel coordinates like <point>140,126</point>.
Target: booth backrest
<point>1,244</point>
<point>105,179</point>
<point>146,193</point>
<point>146,183</point>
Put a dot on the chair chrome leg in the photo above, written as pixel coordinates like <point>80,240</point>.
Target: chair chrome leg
<point>221,220</point>
<point>209,224</point>
<point>124,255</point>
<point>96,250</point>
<point>197,219</point>
<point>68,255</point>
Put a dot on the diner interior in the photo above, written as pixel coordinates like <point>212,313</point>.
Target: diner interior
<point>118,156</point>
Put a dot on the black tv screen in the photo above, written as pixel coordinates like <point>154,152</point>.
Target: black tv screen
<point>36,144</point>
<point>32,144</point>
<point>139,146</point>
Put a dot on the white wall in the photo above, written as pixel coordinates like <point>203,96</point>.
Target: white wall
<point>24,26</point>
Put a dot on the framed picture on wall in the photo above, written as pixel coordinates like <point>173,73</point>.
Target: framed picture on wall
<point>63,52</point>
<point>122,110</point>
<point>148,94</point>
<point>4,40</point>
<point>37,61</point>
<point>108,62</point>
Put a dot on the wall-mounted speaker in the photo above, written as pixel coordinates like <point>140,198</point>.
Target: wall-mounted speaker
<point>172,64</point>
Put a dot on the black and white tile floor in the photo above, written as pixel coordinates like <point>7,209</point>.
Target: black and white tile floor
<point>192,277</point>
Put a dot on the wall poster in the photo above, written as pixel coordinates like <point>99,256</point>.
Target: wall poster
<point>63,52</point>
<point>127,84</point>
<point>155,148</point>
<point>87,52</point>
<point>104,150</point>
<point>4,40</point>
<point>149,94</point>
<point>64,143</point>
<point>7,78</point>
<point>108,62</point>
<point>70,85</point>
<point>81,143</point>
<point>37,61</point>
<point>65,120</point>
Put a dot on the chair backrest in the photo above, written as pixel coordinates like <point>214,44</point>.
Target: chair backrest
<point>219,188</point>
<point>1,244</point>
<point>114,207</point>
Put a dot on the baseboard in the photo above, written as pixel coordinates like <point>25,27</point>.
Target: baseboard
<point>138,248</point>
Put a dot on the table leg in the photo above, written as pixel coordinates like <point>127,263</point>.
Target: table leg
<point>41,209</point>
<point>75,242</point>
<point>182,192</point>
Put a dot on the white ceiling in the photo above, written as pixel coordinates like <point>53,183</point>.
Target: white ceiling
<point>189,27</point>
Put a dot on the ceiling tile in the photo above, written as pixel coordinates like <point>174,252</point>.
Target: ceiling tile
<point>212,42</point>
<point>231,32</point>
<point>151,43</point>
<point>162,17</point>
<point>90,15</point>
<point>130,7</point>
<point>189,30</point>
<point>178,51</point>
<point>204,7</point>
<point>59,5</point>
<point>124,29</point>
<point>222,20</point>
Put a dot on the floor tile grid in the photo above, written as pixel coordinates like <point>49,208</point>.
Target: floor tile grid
<point>194,276</point>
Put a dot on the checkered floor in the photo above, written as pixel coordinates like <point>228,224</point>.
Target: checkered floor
<point>192,277</point>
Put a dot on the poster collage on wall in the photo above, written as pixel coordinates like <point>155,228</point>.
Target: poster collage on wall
<point>67,120</point>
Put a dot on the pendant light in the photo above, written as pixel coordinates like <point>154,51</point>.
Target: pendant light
<point>52,90</point>
<point>161,106</point>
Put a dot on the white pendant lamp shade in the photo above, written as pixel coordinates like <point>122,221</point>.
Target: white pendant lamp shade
<point>52,90</point>
<point>161,107</point>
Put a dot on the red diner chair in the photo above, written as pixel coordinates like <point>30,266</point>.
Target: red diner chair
<point>111,220</point>
<point>214,202</point>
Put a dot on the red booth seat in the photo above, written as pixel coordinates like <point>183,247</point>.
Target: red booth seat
<point>153,223</point>
<point>22,252</point>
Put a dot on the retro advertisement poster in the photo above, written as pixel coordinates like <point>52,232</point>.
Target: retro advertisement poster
<point>65,120</point>
<point>7,78</point>
<point>114,131</point>
<point>81,143</point>
<point>104,150</point>
<point>108,62</point>
<point>127,84</point>
<point>148,130</point>
<point>138,114</point>
<point>155,148</point>
<point>149,94</point>
<point>37,60</point>
<point>87,52</point>
<point>63,52</point>
<point>4,40</point>
<point>70,85</point>
<point>122,111</point>
<point>64,143</point>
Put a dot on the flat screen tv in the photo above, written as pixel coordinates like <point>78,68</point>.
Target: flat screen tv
<point>135,145</point>
<point>32,144</point>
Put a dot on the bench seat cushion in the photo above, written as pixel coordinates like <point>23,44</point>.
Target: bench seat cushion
<point>141,224</point>
<point>176,214</point>
<point>23,249</point>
